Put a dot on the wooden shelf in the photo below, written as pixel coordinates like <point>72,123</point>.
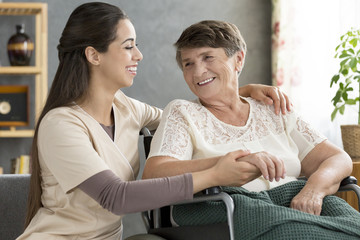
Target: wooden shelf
<point>20,70</point>
<point>40,70</point>
<point>8,8</point>
<point>28,133</point>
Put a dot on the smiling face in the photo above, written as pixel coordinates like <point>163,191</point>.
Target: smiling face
<point>210,73</point>
<point>118,65</point>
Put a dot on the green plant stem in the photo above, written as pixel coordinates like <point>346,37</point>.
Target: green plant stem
<point>359,106</point>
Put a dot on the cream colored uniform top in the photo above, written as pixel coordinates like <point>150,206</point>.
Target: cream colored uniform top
<point>189,131</point>
<point>73,147</point>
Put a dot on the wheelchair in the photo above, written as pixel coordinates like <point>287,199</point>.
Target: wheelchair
<point>158,221</point>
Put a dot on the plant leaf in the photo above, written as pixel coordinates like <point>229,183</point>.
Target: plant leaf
<point>353,42</point>
<point>348,80</point>
<point>350,102</point>
<point>333,114</point>
<point>344,54</point>
<point>351,50</point>
<point>337,97</point>
<point>342,63</point>
<point>353,63</point>
<point>342,109</point>
<point>344,96</point>
<point>334,79</point>
<point>345,72</point>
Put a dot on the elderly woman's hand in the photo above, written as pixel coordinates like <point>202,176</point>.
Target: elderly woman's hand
<point>271,167</point>
<point>268,95</point>
<point>308,200</point>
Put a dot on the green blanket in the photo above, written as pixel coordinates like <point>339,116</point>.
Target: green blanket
<point>266,215</point>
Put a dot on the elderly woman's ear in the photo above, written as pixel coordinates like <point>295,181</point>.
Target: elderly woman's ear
<point>239,60</point>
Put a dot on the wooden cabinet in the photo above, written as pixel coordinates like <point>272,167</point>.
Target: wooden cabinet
<point>40,69</point>
<point>350,196</point>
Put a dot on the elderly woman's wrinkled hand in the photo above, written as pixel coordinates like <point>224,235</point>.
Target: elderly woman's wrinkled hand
<point>271,167</point>
<point>308,200</point>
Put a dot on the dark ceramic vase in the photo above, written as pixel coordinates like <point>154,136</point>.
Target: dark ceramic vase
<point>20,47</point>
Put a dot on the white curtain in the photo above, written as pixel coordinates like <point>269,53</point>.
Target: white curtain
<point>304,36</point>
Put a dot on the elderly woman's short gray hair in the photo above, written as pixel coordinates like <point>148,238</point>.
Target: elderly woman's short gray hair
<point>211,33</point>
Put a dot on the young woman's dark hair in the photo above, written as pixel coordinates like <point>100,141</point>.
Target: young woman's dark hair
<point>91,24</point>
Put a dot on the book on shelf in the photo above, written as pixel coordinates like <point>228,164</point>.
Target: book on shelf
<point>20,165</point>
<point>1,170</point>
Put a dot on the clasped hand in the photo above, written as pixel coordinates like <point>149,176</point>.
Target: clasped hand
<point>270,167</point>
<point>307,200</point>
<point>242,167</point>
<point>253,165</point>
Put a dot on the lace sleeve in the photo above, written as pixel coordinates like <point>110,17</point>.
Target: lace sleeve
<point>304,135</point>
<point>173,137</point>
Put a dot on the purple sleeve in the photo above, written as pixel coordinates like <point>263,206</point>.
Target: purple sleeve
<point>121,197</point>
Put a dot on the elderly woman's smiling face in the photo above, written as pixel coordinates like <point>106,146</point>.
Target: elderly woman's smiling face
<point>209,72</point>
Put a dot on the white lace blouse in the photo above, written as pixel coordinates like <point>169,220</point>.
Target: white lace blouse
<point>189,131</point>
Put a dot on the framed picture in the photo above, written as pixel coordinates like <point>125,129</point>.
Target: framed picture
<point>14,105</point>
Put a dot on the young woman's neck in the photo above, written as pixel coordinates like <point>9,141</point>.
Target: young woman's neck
<point>98,104</point>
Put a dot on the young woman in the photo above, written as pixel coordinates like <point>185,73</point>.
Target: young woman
<point>84,153</point>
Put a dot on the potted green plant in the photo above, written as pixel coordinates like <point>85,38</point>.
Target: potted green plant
<point>347,79</point>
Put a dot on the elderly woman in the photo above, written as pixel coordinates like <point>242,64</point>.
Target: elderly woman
<point>192,134</point>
